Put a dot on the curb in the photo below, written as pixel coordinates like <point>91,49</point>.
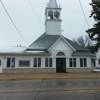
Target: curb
<point>48,90</point>
<point>46,78</point>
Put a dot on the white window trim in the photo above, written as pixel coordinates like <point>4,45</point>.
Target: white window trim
<point>73,62</point>
<point>83,63</point>
<point>22,59</point>
<point>48,62</point>
<point>10,62</point>
<point>37,62</point>
<point>98,61</point>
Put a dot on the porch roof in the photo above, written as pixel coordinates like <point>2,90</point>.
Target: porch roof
<point>20,50</point>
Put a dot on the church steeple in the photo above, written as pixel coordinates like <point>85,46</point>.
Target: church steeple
<point>53,18</point>
<point>53,4</point>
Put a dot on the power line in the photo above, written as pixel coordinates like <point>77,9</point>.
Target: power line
<point>84,13</point>
<point>34,11</point>
<point>13,22</point>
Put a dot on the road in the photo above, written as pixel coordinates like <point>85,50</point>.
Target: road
<point>75,89</point>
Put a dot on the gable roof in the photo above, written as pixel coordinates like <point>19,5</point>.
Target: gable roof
<point>58,41</point>
<point>75,45</point>
<point>44,42</point>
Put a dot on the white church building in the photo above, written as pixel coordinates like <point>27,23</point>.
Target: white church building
<point>51,52</point>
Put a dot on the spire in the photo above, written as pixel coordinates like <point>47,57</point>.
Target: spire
<point>53,4</point>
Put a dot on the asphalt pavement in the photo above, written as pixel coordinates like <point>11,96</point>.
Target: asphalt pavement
<point>56,89</point>
<point>49,85</point>
<point>58,95</point>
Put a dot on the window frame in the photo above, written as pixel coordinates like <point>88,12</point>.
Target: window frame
<point>99,62</point>
<point>22,61</point>
<point>72,62</point>
<point>0,62</point>
<point>83,62</point>
<point>37,63</point>
<point>50,15</point>
<point>60,54</point>
<point>48,62</point>
<point>11,62</point>
<point>56,14</point>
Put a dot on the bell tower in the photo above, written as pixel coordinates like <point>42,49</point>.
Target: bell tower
<point>53,18</point>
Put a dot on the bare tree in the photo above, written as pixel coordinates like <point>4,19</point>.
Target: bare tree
<point>85,42</point>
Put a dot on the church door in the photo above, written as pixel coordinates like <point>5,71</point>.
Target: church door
<point>60,65</point>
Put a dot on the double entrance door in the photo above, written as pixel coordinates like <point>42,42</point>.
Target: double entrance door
<point>60,65</point>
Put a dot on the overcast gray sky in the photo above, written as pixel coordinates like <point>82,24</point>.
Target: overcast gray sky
<point>73,21</point>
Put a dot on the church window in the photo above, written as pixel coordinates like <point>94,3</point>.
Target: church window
<point>56,15</point>
<point>50,15</point>
<point>37,62</point>
<point>48,62</point>
<point>99,61</point>
<point>83,62</point>
<point>0,62</point>
<point>72,62</point>
<point>10,62</point>
<point>60,54</point>
<point>24,63</point>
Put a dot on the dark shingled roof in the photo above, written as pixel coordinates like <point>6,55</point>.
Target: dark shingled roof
<point>75,45</point>
<point>83,52</point>
<point>44,42</point>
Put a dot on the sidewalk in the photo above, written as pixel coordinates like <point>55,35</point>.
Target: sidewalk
<point>37,76</point>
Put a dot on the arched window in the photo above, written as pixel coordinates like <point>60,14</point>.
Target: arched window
<point>56,15</point>
<point>50,15</point>
<point>60,54</point>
